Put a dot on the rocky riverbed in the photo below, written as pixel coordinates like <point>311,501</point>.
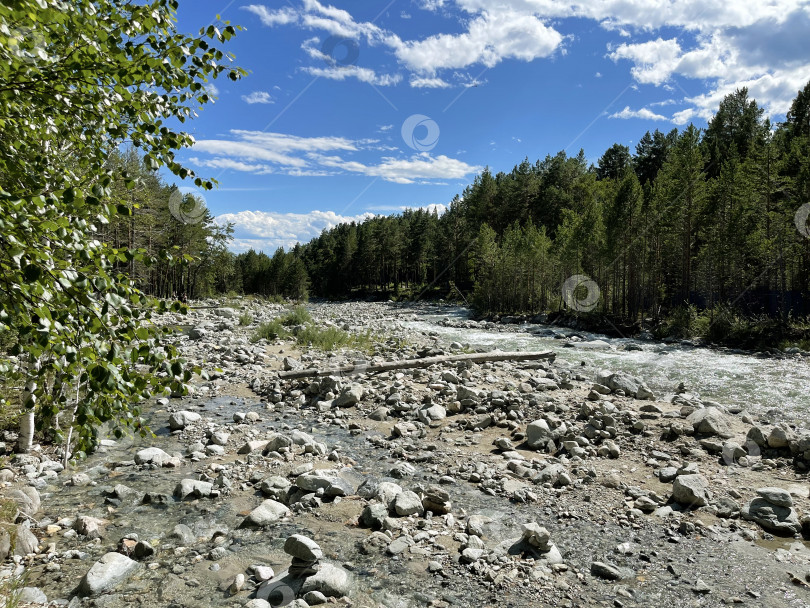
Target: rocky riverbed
<point>494,484</point>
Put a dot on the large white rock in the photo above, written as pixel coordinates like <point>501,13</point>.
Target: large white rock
<point>710,421</point>
<point>331,580</point>
<point>266,513</point>
<point>691,490</point>
<point>539,434</point>
<point>107,573</point>
<point>155,456</point>
<point>180,420</point>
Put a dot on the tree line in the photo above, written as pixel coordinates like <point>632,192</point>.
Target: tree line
<point>704,218</point>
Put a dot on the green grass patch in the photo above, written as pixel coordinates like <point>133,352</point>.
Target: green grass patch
<point>330,338</point>
<point>11,590</point>
<point>297,316</point>
<point>245,319</point>
<point>271,330</point>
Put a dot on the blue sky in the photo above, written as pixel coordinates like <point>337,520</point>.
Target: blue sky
<point>354,108</point>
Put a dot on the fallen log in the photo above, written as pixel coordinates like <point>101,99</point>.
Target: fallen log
<point>388,366</point>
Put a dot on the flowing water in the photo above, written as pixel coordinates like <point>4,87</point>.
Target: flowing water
<point>754,383</point>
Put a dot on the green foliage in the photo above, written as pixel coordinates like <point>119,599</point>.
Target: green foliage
<point>681,323</point>
<point>86,345</point>
<point>245,319</point>
<point>331,338</point>
<point>270,330</point>
<point>298,316</point>
<point>11,590</point>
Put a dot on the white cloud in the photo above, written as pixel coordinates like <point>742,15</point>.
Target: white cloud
<point>267,231</point>
<point>281,16</point>
<point>428,83</point>
<point>432,5</point>
<point>211,88</point>
<point>263,153</point>
<point>654,60</point>
<point>352,71</point>
<point>724,45</point>
<point>489,39</point>
<point>683,117</point>
<point>411,170</point>
<point>643,113</point>
<point>258,97</point>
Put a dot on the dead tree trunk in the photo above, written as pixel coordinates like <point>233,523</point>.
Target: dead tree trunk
<point>414,363</point>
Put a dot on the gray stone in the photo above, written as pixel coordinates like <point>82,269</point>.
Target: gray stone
<point>290,363</point>
<point>303,548</point>
<point>220,438</point>
<point>24,540</point>
<point>184,534</point>
<point>80,479</point>
<point>757,435</point>
<point>87,526</point>
<point>27,499</point>
<point>606,571</point>
<point>380,414</point>
<point>776,496</point>
<point>32,595</point>
<point>312,482</point>
<point>437,500</point>
<point>5,544</point>
<point>263,573</point>
<point>644,392</point>
<point>539,435</point>
<point>624,382</point>
<point>277,441</point>
<point>667,474</point>
<point>180,420</point>
<point>155,456</point>
<point>193,488</point>
<point>266,513</point>
<point>314,598</point>
<point>691,490</point>
<point>536,535</point>
<point>779,438</point>
<point>107,573</point>
<point>783,521</point>
<point>408,503</point>
<point>253,446</point>
<point>400,544</point>
<point>275,487</point>
<point>197,333</point>
<point>470,555</point>
<point>374,515</point>
<point>349,396</point>
<point>710,421</point>
<point>331,580</point>
<point>432,413</point>
<point>387,491</point>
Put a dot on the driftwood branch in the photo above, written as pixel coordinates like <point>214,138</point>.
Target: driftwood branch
<point>414,363</point>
